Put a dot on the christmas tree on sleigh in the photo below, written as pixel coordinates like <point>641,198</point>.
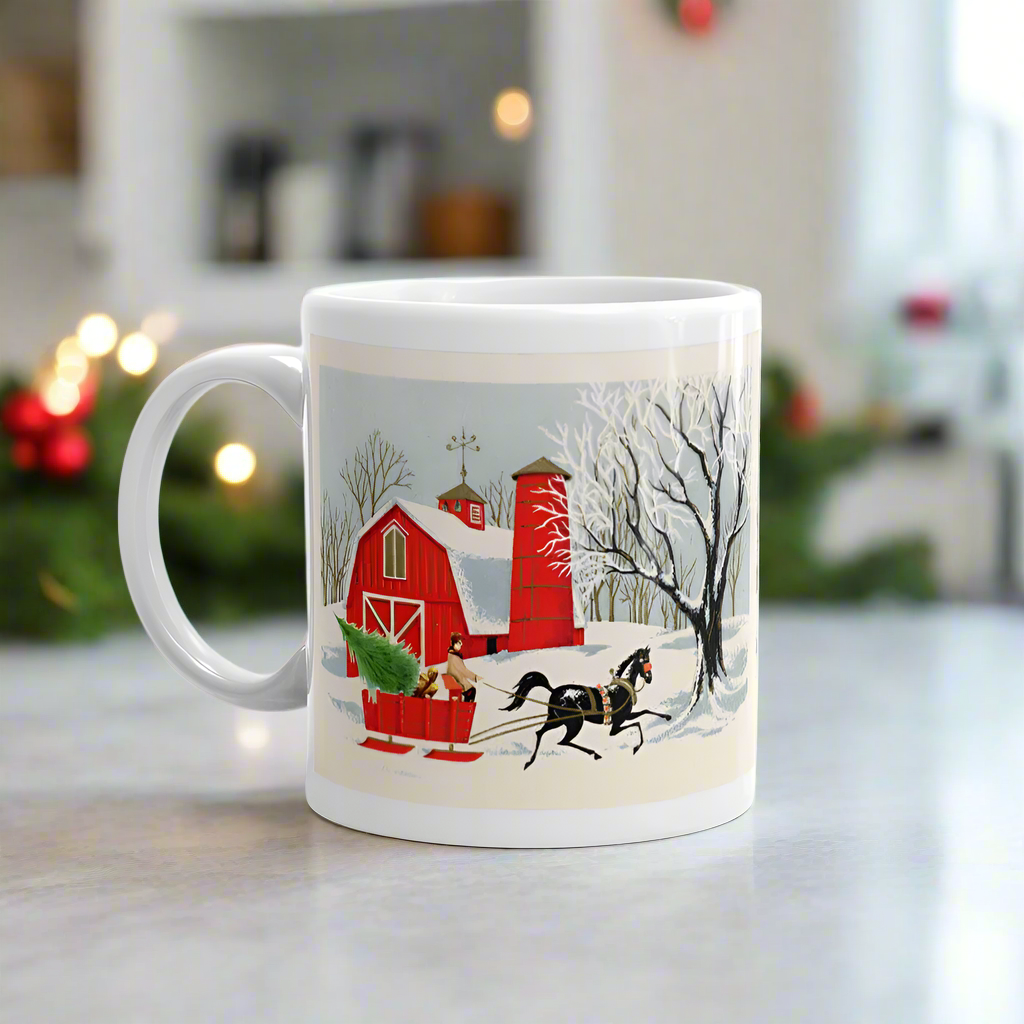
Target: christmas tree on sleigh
<point>393,674</point>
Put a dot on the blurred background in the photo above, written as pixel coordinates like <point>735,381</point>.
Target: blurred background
<point>174,174</point>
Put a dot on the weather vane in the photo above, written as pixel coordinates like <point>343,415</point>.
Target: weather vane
<point>463,445</point>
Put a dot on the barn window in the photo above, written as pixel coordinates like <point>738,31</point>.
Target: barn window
<point>476,514</point>
<point>458,506</point>
<point>444,507</point>
<point>394,554</point>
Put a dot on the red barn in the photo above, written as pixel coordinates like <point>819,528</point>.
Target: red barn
<point>421,573</point>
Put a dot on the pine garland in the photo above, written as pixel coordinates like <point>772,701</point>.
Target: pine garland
<point>382,664</point>
<point>798,463</point>
<point>231,554</point>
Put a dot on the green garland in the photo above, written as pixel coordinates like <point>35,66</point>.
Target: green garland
<point>229,553</point>
<point>797,465</point>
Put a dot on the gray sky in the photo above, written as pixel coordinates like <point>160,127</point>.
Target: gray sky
<point>420,417</point>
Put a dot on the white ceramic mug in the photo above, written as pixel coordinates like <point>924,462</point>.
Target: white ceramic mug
<point>532,554</point>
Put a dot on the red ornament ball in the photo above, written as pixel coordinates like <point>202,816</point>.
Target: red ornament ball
<point>802,413</point>
<point>66,453</point>
<point>25,454</point>
<point>697,16</point>
<point>24,415</point>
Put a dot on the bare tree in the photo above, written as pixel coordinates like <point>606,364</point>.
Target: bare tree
<point>337,546</point>
<point>376,468</point>
<point>640,596</point>
<point>501,502</point>
<point>677,452</point>
<point>670,610</point>
<point>614,583</point>
<point>735,568</point>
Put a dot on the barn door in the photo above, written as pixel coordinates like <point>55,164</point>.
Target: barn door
<point>397,618</point>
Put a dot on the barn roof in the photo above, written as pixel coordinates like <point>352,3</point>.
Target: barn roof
<point>542,466</point>
<point>480,560</point>
<point>462,491</point>
<point>455,535</point>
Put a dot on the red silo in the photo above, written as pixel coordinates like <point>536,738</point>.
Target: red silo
<point>541,612</point>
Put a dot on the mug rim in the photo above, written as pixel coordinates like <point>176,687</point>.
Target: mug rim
<point>381,314</point>
<point>484,294</point>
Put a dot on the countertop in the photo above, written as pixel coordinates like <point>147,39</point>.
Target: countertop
<point>160,864</point>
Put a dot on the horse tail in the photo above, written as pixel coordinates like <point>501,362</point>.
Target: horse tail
<point>526,684</point>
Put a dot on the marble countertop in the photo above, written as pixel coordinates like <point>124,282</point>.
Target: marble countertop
<point>160,864</point>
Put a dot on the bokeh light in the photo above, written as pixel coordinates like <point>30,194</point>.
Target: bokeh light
<point>71,363</point>
<point>513,114</point>
<point>97,334</point>
<point>136,354</point>
<point>252,735</point>
<point>59,396</point>
<point>161,325</point>
<point>235,463</point>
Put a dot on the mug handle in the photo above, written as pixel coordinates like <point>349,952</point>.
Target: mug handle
<point>275,369</point>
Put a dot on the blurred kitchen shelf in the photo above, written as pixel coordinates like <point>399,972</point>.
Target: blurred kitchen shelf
<point>166,81</point>
<point>287,8</point>
<point>254,299</point>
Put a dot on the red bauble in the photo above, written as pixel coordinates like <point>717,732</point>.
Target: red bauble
<point>24,415</point>
<point>24,453</point>
<point>802,413</point>
<point>66,453</point>
<point>927,309</point>
<point>697,16</point>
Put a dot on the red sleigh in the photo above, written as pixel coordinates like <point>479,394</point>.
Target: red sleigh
<point>420,718</point>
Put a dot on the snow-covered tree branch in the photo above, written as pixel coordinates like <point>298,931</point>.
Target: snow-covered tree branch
<point>654,463</point>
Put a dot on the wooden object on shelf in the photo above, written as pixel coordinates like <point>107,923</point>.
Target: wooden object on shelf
<point>467,224</point>
<point>38,118</point>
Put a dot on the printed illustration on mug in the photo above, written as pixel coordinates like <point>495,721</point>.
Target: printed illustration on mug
<point>584,589</point>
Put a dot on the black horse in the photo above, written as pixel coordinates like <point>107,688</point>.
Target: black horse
<point>570,706</point>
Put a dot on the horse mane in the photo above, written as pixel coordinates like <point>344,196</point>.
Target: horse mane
<point>627,662</point>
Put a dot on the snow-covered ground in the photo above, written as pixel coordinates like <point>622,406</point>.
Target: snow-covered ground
<point>606,645</point>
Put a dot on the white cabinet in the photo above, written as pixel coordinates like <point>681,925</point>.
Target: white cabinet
<point>167,80</point>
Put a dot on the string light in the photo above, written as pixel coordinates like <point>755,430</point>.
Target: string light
<point>97,334</point>
<point>161,325</point>
<point>136,354</point>
<point>513,114</point>
<point>59,396</point>
<point>235,463</point>
<point>71,363</point>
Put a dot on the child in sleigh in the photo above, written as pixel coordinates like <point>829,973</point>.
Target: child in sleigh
<point>456,669</point>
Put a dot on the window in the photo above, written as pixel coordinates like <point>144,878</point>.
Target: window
<point>394,554</point>
<point>986,137</point>
<point>458,506</point>
<point>476,514</point>
<point>444,506</point>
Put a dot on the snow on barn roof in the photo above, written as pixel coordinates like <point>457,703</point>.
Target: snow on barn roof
<point>481,563</point>
<point>455,535</point>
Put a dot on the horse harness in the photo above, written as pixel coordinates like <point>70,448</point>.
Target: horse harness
<point>606,701</point>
